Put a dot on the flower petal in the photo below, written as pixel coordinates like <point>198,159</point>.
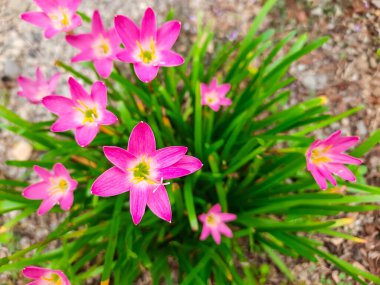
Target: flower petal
<point>67,201</point>
<point>99,93</point>
<point>216,209</point>
<point>167,35</point>
<point>223,89</point>
<point>72,5</point>
<point>145,73</point>
<point>167,156</point>
<point>202,217</point>
<point>104,67</point>
<point>34,272</point>
<point>86,55</point>
<point>321,181</point>
<point>225,101</point>
<point>326,173</point>
<point>77,91</point>
<point>46,205</point>
<point>53,81</point>
<point>342,158</point>
<point>58,104</point>
<point>189,163</point>
<point>169,58</point>
<point>159,203</point>
<point>227,217</point>
<point>142,141</point>
<point>345,143</point>
<point>60,170</point>
<point>47,5</point>
<point>37,191</point>
<point>205,232</point>
<point>126,56</point>
<point>82,41</point>
<point>216,235</point>
<point>38,19</point>
<point>66,122</point>
<point>97,24</point>
<point>108,118</point>
<point>138,200</point>
<point>172,172</point>
<point>223,229</point>
<point>128,32</point>
<point>342,171</point>
<point>42,172</point>
<point>50,32</point>
<point>85,134</point>
<point>119,157</point>
<point>148,26</point>
<point>111,183</point>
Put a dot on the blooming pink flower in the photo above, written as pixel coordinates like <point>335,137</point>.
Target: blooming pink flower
<point>141,169</point>
<point>45,276</point>
<point>148,48</point>
<point>327,157</point>
<point>214,223</point>
<point>56,16</point>
<point>36,90</point>
<point>55,188</point>
<point>214,95</point>
<point>83,113</point>
<point>100,46</point>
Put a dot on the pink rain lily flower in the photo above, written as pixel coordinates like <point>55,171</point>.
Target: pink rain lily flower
<point>83,113</point>
<point>141,169</point>
<point>148,48</point>
<point>56,187</point>
<point>99,46</point>
<point>214,95</point>
<point>214,223</point>
<point>36,90</point>
<point>45,276</point>
<point>327,157</point>
<point>56,16</point>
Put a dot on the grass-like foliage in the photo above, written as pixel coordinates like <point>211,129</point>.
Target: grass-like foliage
<point>254,166</point>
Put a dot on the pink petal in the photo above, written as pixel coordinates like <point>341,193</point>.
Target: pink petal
<point>216,209</point>
<point>344,158</point>
<point>104,67</point>
<point>172,172</point>
<point>167,156</point>
<point>99,93</point>
<point>40,76</point>
<point>111,183</point>
<point>189,163</point>
<point>204,89</point>
<point>321,181</point>
<point>76,22</point>
<point>86,55</point>
<point>202,217</point>
<point>108,118</point>
<point>169,58</point>
<point>342,171</point>
<point>214,84</point>
<point>97,24</point>
<point>63,277</point>
<point>223,229</point>
<point>60,170</point>
<point>225,101</point>
<point>77,91</point>
<point>34,272</point>
<point>167,35</point>
<point>148,26</point>
<point>119,157</point>
<point>126,56</point>
<point>66,122</point>
<point>37,191</point>
<point>82,41</point>
<point>26,83</point>
<point>72,5</point>
<point>46,205</point>
<point>138,200</point>
<point>50,32</point>
<point>215,107</point>
<point>215,235</point>
<point>47,5</point>
<point>142,141</point>
<point>58,104</point>
<point>345,143</point>
<point>53,81</point>
<point>42,172</point>
<point>159,203</point>
<point>85,134</point>
<point>326,174</point>
<point>332,138</point>
<point>67,201</point>
<point>223,89</point>
<point>145,73</point>
<point>38,19</point>
<point>128,32</point>
<point>205,232</point>
<point>227,217</point>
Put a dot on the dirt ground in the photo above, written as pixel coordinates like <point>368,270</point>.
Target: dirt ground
<point>345,70</point>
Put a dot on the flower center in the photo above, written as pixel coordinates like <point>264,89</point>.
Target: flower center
<point>141,171</point>
<point>211,220</point>
<point>147,56</point>
<point>90,114</point>
<point>319,155</point>
<point>59,187</point>
<point>102,47</point>
<point>61,19</point>
<point>212,98</point>
<point>52,279</point>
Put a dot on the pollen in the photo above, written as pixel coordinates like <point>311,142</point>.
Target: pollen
<point>61,18</point>
<point>147,56</point>
<point>53,279</point>
<point>90,114</point>
<point>141,171</point>
<point>319,156</point>
<point>59,187</point>
<point>211,220</point>
<point>102,47</point>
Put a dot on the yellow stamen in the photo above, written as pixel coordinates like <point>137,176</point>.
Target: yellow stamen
<point>141,171</point>
<point>60,187</point>
<point>211,220</point>
<point>90,114</point>
<point>147,56</point>
<point>318,156</point>
<point>55,279</point>
<point>102,47</point>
